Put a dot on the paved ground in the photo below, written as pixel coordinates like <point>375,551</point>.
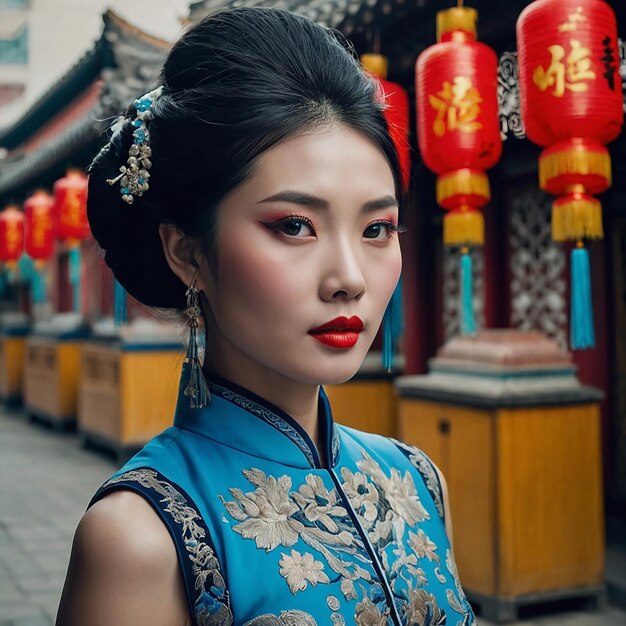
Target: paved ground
<point>46,481</point>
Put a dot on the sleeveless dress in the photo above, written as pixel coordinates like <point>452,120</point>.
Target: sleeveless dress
<point>266,536</point>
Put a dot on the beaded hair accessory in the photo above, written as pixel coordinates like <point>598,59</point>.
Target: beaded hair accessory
<point>135,174</point>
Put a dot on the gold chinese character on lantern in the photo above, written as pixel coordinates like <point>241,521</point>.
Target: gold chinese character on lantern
<point>457,106</point>
<point>573,19</point>
<point>570,74</point>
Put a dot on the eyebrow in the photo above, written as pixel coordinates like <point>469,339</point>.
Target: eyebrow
<point>313,202</point>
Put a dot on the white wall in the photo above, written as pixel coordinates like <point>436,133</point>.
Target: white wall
<point>61,31</point>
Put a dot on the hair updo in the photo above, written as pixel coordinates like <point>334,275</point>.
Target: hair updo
<point>234,85</point>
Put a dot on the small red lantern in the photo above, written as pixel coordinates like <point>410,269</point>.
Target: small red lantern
<point>459,132</point>
<point>38,211</point>
<point>70,194</point>
<point>11,236</point>
<point>571,100</point>
<point>397,111</point>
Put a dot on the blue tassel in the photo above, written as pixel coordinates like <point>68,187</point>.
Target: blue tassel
<point>3,282</point>
<point>468,322</point>
<point>39,285</point>
<point>393,327</point>
<point>120,310</point>
<point>74,257</point>
<point>581,324</point>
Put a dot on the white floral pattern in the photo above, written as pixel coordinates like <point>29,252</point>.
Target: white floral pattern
<point>314,515</point>
<point>299,570</point>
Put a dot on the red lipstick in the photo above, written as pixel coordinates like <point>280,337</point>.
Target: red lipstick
<point>342,332</point>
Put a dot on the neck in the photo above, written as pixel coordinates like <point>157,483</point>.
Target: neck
<point>298,400</point>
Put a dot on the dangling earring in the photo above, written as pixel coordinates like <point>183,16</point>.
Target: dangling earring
<point>194,382</point>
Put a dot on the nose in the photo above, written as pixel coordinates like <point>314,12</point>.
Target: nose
<point>343,276</point>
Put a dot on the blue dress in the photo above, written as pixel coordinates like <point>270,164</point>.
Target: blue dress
<point>266,536</point>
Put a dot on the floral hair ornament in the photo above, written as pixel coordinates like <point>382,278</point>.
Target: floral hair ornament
<point>135,174</point>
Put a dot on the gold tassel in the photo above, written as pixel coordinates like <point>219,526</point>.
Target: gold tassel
<point>574,161</point>
<point>576,218</point>
<point>464,228</point>
<point>462,182</point>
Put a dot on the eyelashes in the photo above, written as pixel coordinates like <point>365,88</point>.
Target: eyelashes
<point>300,227</point>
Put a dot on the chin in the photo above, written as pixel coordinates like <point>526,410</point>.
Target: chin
<point>337,371</point>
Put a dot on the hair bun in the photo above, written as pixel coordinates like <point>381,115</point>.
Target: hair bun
<point>129,234</point>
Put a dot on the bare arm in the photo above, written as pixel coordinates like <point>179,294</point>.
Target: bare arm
<point>123,568</point>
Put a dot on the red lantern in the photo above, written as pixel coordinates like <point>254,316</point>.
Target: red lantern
<point>11,236</point>
<point>571,98</point>
<point>457,121</point>
<point>39,227</point>
<point>459,132</point>
<point>396,113</point>
<point>70,194</point>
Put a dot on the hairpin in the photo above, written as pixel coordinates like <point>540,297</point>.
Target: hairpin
<point>135,174</point>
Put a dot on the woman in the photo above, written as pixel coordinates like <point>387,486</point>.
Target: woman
<point>271,217</point>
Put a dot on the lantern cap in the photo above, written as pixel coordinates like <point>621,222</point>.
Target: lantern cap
<point>456,19</point>
<point>375,64</point>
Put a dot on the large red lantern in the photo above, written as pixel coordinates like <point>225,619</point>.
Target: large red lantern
<point>572,101</point>
<point>38,211</point>
<point>70,195</point>
<point>11,236</point>
<point>459,132</point>
<point>396,111</point>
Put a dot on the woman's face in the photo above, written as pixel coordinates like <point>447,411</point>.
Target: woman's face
<point>307,239</point>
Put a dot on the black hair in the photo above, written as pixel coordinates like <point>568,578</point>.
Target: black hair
<point>235,84</point>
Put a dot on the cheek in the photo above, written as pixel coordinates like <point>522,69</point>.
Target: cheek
<point>384,277</point>
<point>254,279</point>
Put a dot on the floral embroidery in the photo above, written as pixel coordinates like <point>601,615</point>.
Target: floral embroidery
<point>425,467</point>
<point>389,510</point>
<point>318,503</point>
<point>212,607</point>
<point>273,515</point>
<point>286,618</point>
<point>422,609</point>
<point>297,569</point>
<point>265,513</point>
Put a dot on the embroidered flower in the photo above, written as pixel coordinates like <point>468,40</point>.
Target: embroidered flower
<point>318,503</point>
<point>286,618</point>
<point>400,492</point>
<point>300,568</point>
<point>422,609</point>
<point>265,513</point>
<point>368,614</point>
<point>361,493</point>
<point>423,546</point>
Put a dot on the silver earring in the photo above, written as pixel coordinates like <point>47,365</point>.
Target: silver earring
<point>195,385</point>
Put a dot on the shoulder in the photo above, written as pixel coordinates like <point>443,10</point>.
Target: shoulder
<point>123,567</point>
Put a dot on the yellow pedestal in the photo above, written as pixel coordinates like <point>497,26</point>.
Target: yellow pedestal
<point>368,405</point>
<point>12,350</point>
<point>127,396</point>
<point>526,497</point>
<point>51,379</point>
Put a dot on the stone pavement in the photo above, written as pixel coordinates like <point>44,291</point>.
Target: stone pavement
<point>46,481</point>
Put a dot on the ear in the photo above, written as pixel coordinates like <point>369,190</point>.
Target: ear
<point>180,252</point>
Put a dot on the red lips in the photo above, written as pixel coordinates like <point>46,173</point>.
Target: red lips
<point>342,332</point>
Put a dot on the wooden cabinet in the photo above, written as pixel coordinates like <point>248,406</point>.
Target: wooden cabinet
<point>525,493</point>
<point>12,350</point>
<point>127,394</point>
<point>366,404</point>
<point>51,379</point>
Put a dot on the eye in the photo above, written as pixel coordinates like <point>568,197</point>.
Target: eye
<point>293,226</point>
<point>380,230</point>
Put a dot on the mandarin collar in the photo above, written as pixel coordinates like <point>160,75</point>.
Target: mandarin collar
<point>242,420</point>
